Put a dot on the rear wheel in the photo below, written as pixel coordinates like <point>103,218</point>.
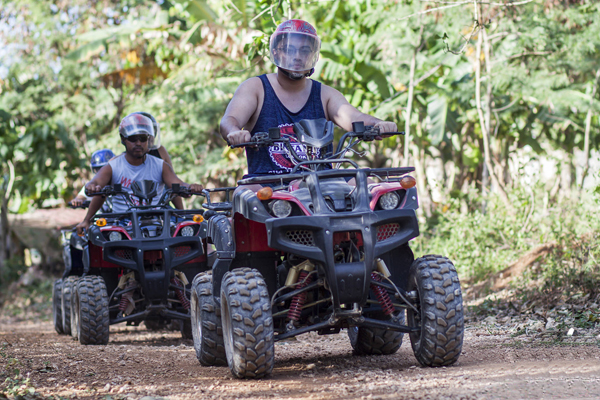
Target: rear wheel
<point>57,306</point>
<point>92,309</point>
<point>366,340</point>
<point>67,290</point>
<point>206,322</point>
<point>440,311</point>
<point>247,324</point>
<point>74,311</point>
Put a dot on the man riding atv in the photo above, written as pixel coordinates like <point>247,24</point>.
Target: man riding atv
<point>137,133</point>
<point>309,245</point>
<point>285,97</point>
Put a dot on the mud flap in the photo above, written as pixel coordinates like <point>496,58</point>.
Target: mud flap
<point>220,232</point>
<point>352,282</point>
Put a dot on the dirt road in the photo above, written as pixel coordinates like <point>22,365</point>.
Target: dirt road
<point>138,363</point>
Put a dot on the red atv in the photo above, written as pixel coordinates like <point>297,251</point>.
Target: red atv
<point>311,251</point>
<point>131,267</point>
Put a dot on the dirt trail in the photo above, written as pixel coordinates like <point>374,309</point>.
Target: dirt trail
<point>139,363</point>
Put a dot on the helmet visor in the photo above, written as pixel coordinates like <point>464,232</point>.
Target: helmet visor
<point>295,51</point>
<point>135,124</point>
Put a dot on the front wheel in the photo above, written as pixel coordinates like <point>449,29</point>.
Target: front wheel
<point>92,310</point>
<point>67,290</point>
<point>440,311</point>
<point>247,324</point>
<point>206,322</point>
<point>57,306</point>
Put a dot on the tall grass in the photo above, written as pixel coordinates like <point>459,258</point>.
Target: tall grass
<point>483,244</point>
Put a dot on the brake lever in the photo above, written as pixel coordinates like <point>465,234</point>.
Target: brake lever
<point>260,139</point>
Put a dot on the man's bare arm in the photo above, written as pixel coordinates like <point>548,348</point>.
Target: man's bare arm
<point>164,154</point>
<point>241,108</point>
<point>342,113</point>
<point>169,178</point>
<point>101,179</point>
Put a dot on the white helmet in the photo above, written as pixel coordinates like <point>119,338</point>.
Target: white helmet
<point>136,124</point>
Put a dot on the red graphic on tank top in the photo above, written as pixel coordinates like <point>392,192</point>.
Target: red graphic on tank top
<point>125,182</point>
<point>279,153</point>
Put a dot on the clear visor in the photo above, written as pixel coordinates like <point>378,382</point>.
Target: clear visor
<point>296,52</point>
<point>155,141</point>
<point>137,124</point>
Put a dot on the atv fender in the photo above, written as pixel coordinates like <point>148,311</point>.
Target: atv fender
<point>246,203</point>
<point>221,235</point>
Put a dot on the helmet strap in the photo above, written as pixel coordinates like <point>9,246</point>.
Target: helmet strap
<point>295,76</point>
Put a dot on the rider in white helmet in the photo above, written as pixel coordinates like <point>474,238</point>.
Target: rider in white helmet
<point>135,164</point>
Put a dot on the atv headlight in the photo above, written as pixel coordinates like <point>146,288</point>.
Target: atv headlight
<point>114,236</point>
<point>187,231</point>
<point>389,201</point>
<point>281,208</point>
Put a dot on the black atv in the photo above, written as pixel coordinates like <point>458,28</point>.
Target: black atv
<point>322,249</point>
<point>131,267</point>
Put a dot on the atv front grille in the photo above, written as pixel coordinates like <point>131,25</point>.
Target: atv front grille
<point>125,254</point>
<point>302,237</point>
<point>181,251</point>
<point>386,231</point>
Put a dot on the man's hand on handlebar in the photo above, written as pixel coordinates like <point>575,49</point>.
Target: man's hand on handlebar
<point>196,188</point>
<point>238,137</point>
<point>82,227</point>
<point>385,126</point>
<point>77,202</point>
<point>92,188</point>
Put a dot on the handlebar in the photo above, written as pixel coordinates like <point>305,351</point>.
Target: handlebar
<point>85,204</point>
<point>183,191</point>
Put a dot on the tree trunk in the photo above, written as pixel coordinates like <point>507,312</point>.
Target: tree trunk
<point>5,248</point>
<point>484,123</point>
<point>411,89</point>
<point>588,125</point>
<point>422,186</point>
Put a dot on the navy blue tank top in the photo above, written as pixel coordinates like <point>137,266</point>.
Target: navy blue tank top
<point>275,159</point>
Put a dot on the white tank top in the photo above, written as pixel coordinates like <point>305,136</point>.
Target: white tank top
<point>125,174</point>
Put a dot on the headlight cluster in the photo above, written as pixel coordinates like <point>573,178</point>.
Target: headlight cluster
<point>114,236</point>
<point>389,201</point>
<point>281,208</point>
<point>187,230</point>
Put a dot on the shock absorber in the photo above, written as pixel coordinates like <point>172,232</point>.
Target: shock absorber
<point>126,304</point>
<point>382,295</point>
<point>299,299</point>
<point>179,291</point>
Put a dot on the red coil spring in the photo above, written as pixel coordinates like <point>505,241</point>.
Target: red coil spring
<point>180,294</point>
<point>299,299</point>
<point>124,302</point>
<point>126,297</point>
<point>382,296</point>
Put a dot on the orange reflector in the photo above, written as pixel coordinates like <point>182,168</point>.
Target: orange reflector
<point>265,193</point>
<point>198,218</point>
<point>101,222</point>
<point>408,182</point>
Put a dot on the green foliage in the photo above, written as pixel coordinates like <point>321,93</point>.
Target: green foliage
<point>32,301</point>
<point>482,245</point>
<point>75,68</point>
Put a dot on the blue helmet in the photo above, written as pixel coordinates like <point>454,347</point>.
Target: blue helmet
<point>100,158</point>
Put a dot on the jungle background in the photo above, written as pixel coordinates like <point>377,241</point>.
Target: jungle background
<point>499,101</point>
